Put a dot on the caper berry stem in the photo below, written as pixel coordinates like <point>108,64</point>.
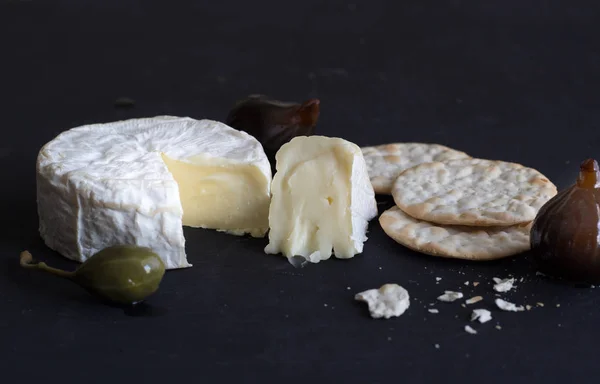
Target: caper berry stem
<point>26,261</point>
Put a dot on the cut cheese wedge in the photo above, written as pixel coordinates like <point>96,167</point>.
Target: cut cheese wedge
<point>322,199</point>
<point>139,181</point>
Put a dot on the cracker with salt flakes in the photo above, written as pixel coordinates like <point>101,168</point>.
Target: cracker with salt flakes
<point>458,242</point>
<point>385,162</point>
<point>474,192</point>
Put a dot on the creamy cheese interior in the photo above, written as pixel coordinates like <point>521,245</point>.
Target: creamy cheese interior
<point>229,197</point>
<point>310,208</point>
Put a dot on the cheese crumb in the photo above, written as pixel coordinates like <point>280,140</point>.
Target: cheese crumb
<point>474,300</point>
<point>540,304</point>
<point>466,283</point>
<point>483,315</point>
<point>437,346</point>
<point>507,306</point>
<point>498,327</point>
<point>450,296</point>
<point>387,301</point>
<point>528,307</point>
<point>470,330</point>
<point>298,261</point>
<point>503,285</point>
<point>433,310</point>
<point>438,278</point>
<point>557,305</point>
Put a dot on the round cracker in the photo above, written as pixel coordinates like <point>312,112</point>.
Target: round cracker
<point>385,162</point>
<point>458,242</point>
<point>474,192</point>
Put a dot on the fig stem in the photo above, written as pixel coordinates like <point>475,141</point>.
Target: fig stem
<point>309,112</point>
<point>589,174</point>
<point>26,261</point>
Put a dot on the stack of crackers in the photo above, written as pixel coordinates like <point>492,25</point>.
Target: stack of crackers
<point>450,204</point>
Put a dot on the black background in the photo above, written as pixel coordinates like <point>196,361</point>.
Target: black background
<point>509,80</point>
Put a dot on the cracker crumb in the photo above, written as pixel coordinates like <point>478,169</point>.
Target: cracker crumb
<point>438,278</point>
<point>507,306</point>
<point>450,296</point>
<point>528,307</point>
<point>324,305</point>
<point>470,330</point>
<point>498,327</point>
<point>557,305</point>
<point>503,285</point>
<point>474,300</point>
<point>483,315</point>
<point>433,310</point>
<point>540,304</point>
<point>475,283</point>
<point>464,306</point>
<point>437,346</point>
<point>348,288</point>
<point>466,283</point>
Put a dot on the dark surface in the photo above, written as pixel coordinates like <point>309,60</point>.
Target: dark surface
<point>500,80</point>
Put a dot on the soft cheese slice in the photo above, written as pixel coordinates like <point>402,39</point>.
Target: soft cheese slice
<point>138,181</point>
<point>322,199</point>
<point>228,197</point>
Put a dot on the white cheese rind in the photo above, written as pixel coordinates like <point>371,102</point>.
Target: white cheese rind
<point>322,199</point>
<point>105,184</point>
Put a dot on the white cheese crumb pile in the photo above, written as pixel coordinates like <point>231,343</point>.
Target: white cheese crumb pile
<point>450,296</point>
<point>503,285</point>
<point>506,306</point>
<point>387,301</point>
<point>482,315</point>
<point>470,330</point>
<point>474,300</point>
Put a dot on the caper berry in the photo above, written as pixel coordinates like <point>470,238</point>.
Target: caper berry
<point>122,274</point>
